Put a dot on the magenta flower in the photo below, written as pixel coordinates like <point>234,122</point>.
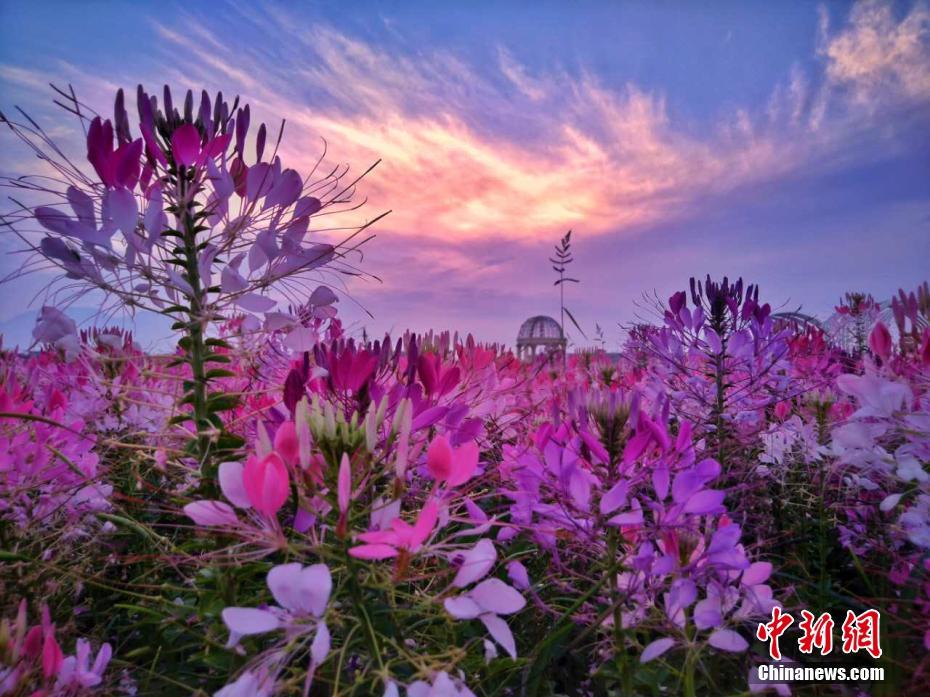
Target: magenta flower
<point>728,640</point>
<point>52,656</point>
<point>443,685</point>
<point>880,342</point>
<point>452,466</point>
<point>38,647</point>
<point>286,443</point>
<point>116,168</point>
<point>185,144</point>
<point>399,537</point>
<point>344,484</point>
<point>266,483</point>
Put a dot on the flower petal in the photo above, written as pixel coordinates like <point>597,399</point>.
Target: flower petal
<point>316,584</point>
<point>211,513</point>
<point>656,649</point>
<point>185,144</point>
<point>243,621</point>
<point>615,497</point>
<point>705,501</point>
<point>319,649</point>
<point>501,633</point>
<point>284,582</point>
<point>496,596</point>
<point>707,613</point>
<point>727,640</point>
<point>462,607</point>
<point>476,564</point>
<point>377,551</point>
<point>230,476</point>
<point>757,573</point>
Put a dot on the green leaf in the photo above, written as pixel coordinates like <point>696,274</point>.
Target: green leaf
<point>222,402</point>
<point>575,322</point>
<point>230,441</point>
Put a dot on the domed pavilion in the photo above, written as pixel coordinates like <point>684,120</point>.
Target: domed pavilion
<point>539,335</point>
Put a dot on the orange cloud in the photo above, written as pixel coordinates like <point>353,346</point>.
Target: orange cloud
<point>603,160</point>
<point>519,155</point>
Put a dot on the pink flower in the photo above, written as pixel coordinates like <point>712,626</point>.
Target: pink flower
<point>116,168</point>
<point>383,544</point>
<point>880,342</point>
<point>51,654</point>
<point>77,672</point>
<point>344,484</point>
<point>266,483</point>
<point>286,444</point>
<point>453,466</point>
<point>300,591</point>
<point>782,410</point>
<point>877,397</point>
<point>487,602</point>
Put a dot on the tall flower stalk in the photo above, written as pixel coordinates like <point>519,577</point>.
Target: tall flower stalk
<point>563,257</point>
<point>237,244</point>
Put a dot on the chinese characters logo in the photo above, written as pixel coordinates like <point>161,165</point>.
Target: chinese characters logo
<point>859,632</point>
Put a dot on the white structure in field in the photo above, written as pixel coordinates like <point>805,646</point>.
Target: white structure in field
<point>539,335</point>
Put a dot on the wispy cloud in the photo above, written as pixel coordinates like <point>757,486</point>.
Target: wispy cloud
<point>508,152</point>
<point>455,159</point>
<point>879,56</point>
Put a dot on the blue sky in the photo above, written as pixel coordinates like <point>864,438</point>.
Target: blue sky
<point>785,142</point>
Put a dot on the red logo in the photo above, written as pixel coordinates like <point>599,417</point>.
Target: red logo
<point>860,632</point>
<point>773,630</point>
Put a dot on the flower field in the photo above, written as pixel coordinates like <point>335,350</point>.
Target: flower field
<point>279,508</point>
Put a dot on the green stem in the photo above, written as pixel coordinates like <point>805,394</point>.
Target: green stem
<point>196,349</point>
<point>362,612</point>
<point>619,640</point>
<point>689,690</point>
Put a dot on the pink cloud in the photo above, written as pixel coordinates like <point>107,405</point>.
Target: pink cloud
<point>603,159</point>
<point>878,56</point>
<point>520,155</point>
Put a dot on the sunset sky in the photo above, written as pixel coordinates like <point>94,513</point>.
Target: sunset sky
<point>788,143</point>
